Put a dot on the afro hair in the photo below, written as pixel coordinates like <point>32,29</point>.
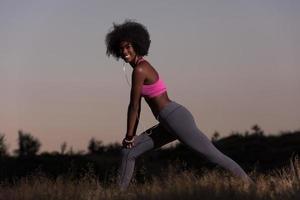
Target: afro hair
<point>129,31</point>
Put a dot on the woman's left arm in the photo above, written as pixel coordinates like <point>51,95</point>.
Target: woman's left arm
<point>134,107</point>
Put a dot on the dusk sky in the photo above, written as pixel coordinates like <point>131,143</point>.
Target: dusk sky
<point>232,63</point>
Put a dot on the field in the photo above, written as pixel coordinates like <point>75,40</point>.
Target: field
<point>278,184</point>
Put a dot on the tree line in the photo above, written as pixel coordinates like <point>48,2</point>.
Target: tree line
<point>28,145</point>
<point>253,150</point>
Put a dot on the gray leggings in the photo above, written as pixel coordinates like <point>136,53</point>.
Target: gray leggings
<point>176,122</point>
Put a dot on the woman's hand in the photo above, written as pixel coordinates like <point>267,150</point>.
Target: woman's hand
<point>128,143</point>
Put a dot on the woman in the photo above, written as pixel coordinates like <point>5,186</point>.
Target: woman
<point>130,41</point>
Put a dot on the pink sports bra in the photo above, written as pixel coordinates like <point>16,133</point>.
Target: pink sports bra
<point>154,89</point>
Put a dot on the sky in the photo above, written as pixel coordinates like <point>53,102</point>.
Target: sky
<point>232,63</point>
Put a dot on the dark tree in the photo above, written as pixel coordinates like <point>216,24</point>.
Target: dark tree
<point>95,146</point>
<point>215,136</point>
<point>257,130</point>
<point>28,145</point>
<point>3,146</point>
<point>63,148</point>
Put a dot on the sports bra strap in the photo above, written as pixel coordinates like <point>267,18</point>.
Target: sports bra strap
<point>140,60</point>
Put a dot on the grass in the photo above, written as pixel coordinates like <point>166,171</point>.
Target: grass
<point>279,184</point>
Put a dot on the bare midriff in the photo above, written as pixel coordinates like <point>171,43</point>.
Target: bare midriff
<point>157,103</point>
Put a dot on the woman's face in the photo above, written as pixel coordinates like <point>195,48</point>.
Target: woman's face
<point>127,52</point>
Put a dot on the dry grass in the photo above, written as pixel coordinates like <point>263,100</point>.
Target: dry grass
<point>281,184</point>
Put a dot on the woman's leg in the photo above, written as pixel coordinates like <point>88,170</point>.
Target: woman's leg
<point>181,123</point>
<point>154,137</point>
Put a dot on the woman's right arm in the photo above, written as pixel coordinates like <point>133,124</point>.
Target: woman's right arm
<point>134,106</point>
